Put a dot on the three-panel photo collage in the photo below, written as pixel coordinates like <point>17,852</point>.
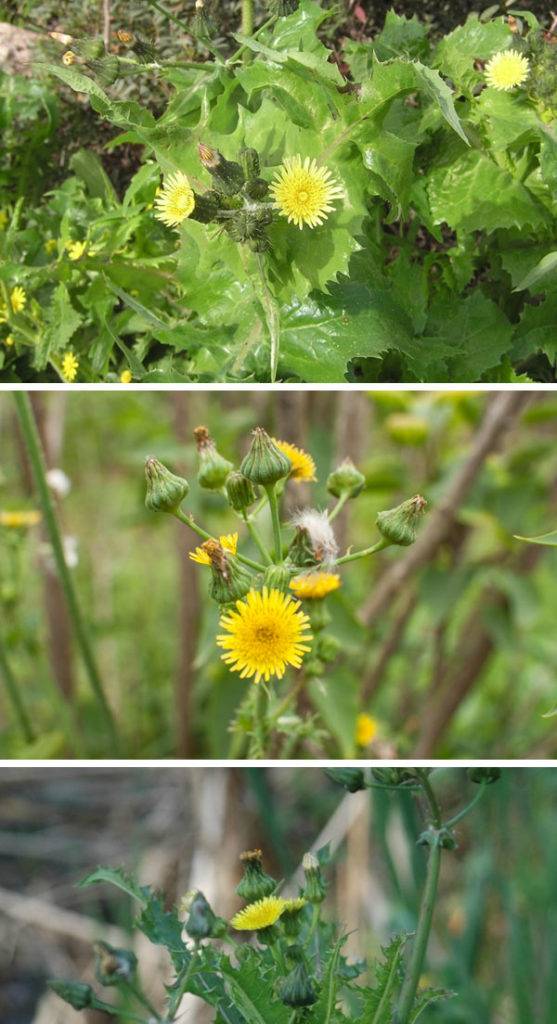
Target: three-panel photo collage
<point>278,512</point>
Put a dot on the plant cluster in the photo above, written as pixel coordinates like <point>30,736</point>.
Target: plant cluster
<point>274,612</point>
<point>293,969</point>
<point>394,221</point>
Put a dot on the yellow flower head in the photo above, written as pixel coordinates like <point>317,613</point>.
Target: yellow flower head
<point>366,729</point>
<point>266,633</point>
<point>70,364</point>
<point>126,377</point>
<point>292,906</point>
<point>20,520</point>
<point>315,585</point>
<point>50,246</point>
<point>228,541</point>
<point>176,200</point>
<point>9,341</point>
<point>18,299</point>
<point>303,466</point>
<point>76,249</point>
<point>261,914</point>
<point>303,191</point>
<point>506,70</point>
<point>68,58</point>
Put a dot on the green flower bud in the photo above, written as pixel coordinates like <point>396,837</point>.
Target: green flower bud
<point>346,479</point>
<point>255,884</point>
<point>77,994</point>
<point>487,774</point>
<point>291,917</point>
<point>206,206</point>
<point>229,580</point>
<point>145,51</point>
<point>107,69</point>
<point>265,463</point>
<point>113,966</point>
<point>405,428</point>
<point>315,888</point>
<point>297,988</point>
<point>249,158</point>
<point>277,577</point>
<point>328,647</point>
<point>256,188</point>
<point>165,492</point>
<point>240,491</point>
<point>227,175</point>
<point>202,26</point>
<point>398,525</point>
<point>213,468</point>
<point>201,919</point>
<point>351,779</point>
<point>393,776</point>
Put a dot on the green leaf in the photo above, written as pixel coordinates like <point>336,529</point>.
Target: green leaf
<point>138,307</point>
<point>378,1000</point>
<point>547,539</point>
<point>323,1012</point>
<point>121,879</point>
<point>538,328</point>
<point>321,334</point>
<point>545,266</point>
<point>475,40</point>
<point>78,82</point>
<point>164,928</point>
<point>426,997</point>
<point>476,330</point>
<point>249,992</point>
<point>63,321</point>
<point>401,37</point>
<point>87,166</point>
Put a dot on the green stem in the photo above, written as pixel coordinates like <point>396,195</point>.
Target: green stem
<point>275,518</point>
<point>247,18</point>
<point>36,458</point>
<point>415,966</point>
<point>462,814</point>
<point>189,521</point>
<point>381,544</point>
<point>339,506</point>
<point>142,999</point>
<point>272,315</point>
<point>12,689</point>
<point>255,35</point>
<point>99,1004</point>
<point>254,534</point>
<point>257,745</point>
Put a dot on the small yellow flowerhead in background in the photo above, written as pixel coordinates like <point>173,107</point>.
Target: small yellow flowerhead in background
<point>303,466</point>
<point>9,341</point>
<point>229,542</point>
<point>76,249</point>
<point>366,729</point>
<point>303,192</point>
<point>506,70</point>
<point>265,635</point>
<point>70,365</point>
<point>18,299</point>
<point>68,58</point>
<point>176,200</point>
<point>20,520</point>
<point>261,914</point>
<point>50,246</point>
<point>126,377</point>
<point>315,585</point>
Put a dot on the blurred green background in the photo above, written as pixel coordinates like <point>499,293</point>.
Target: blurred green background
<point>456,658</point>
<point>494,935</point>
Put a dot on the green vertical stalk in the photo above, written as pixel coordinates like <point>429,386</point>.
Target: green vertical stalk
<point>12,689</point>
<point>36,458</point>
<point>259,738</point>
<point>272,316</point>
<point>254,534</point>
<point>247,18</point>
<point>275,518</point>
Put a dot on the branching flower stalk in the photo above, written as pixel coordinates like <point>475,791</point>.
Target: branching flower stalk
<point>36,458</point>
<point>274,616</point>
<point>293,956</point>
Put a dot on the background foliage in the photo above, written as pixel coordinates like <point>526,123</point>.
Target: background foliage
<point>438,265</point>
<point>494,934</point>
<point>455,658</point>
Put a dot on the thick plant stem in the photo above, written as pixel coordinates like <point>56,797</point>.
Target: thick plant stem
<point>275,518</point>
<point>14,695</point>
<point>188,521</point>
<point>36,458</point>
<point>414,969</point>
<point>247,18</point>
<point>257,746</point>
<point>271,313</point>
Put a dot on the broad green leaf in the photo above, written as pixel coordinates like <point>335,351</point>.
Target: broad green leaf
<point>320,335</point>
<point>538,328</point>
<point>62,323</point>
<point>546,266</point>
<point>401,37</point>
<point>299,29</point>
<point>164,928</point>
<point>507,118</point>
<point>137,306</point>
<point>249,992</point>
<point>475,40</point>
<point>87,166</point>
<point>77,81</point>
<point>148,174</point>
<point>119,878</point>
<point>378,1000</point>
<point>476,330</point>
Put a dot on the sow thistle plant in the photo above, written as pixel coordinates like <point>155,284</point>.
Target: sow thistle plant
<point>280,958</point>
<point>274,616</point>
